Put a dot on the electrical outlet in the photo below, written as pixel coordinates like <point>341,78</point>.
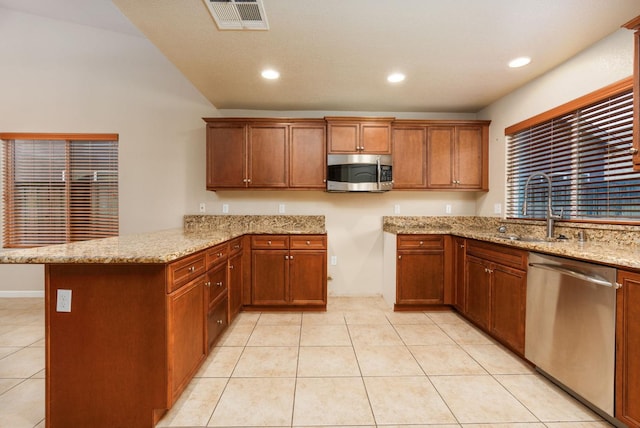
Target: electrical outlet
<point>225,208</point>
<point>203,207</point>
<point>63,302</point>
<point>447,208</point>
<point>396,209</point>
<point>281,209</point>
<point>497,208</point>
<point>334,260</point>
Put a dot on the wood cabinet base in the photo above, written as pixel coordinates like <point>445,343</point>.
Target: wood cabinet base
<point>285,308</point>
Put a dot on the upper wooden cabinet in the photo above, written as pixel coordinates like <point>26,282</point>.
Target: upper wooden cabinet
<point>440,155</point>
<point>359,135</point>
<point>265,153</point>
<point>457,157</point>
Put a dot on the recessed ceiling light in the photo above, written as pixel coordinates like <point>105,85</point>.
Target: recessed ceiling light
<point>270,74</point>
<point>395,77</point>
<point>519,62</point>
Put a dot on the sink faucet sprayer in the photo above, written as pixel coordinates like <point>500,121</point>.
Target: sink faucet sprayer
<point>550,216</point>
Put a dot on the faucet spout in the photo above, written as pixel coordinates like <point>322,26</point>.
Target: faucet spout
<point>550,216</point>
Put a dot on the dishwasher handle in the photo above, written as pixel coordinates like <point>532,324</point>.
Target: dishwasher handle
<point>574,273</point>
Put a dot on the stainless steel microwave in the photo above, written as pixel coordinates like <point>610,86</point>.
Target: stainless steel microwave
<point>359,173</point>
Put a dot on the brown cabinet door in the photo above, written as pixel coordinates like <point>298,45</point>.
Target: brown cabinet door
<point>308,277</point>
<point>268,156</point>
<point>508,306</point>
<point>269,277</point>
<point>459,256</point>
<point>235,285</point>
<point>440,145</point>
<point>308,157</point>
<point>375,138</point>
<point>420,277</point>
<point>468,157</point>
<point>477,287</point>
<point>343,137</point>
<point>628,349</point>
<point>409,158</point>
<point>187,334</point>
<point>226,166</point>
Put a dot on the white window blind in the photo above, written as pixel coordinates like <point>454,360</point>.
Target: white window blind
<point>59,189</point>
<point>587,154</point>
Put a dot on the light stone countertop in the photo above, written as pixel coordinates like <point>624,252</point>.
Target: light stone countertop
<point>167,245</point>
<point>609,249</point>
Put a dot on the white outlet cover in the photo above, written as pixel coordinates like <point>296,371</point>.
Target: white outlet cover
<point>447,208</point>
<point>63,301</point>
<point>497,208</point>
<point>281,209</point>
<point>203,207</point>
<point>225,208</point>
<point>396,209</point>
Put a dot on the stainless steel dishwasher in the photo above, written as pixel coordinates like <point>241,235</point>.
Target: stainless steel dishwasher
<point>570,326</point>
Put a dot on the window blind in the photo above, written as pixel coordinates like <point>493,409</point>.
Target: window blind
<point>59,190</point>
<point>587,154</point>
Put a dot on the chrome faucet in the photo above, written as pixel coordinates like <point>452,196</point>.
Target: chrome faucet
<point>550,216</point>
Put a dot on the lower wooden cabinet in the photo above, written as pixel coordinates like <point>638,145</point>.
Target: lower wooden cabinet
<point>187,334</point>
<point>627,349</point>
<point>459,258</point>
<point>495,291</point>
<point>236,274</point>
<point>423,271</point>
<point>289,271</point>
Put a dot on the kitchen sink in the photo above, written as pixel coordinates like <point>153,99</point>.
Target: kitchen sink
<point>523,238</point>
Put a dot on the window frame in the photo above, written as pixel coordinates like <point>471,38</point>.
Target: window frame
<point>11,226</point>
<point>603,94</point>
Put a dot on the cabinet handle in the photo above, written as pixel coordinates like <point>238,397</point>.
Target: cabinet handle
<point>219,284</point>
<point>308,242</point>
<point>461,245</point>
<point>236,247</point>
<point>248,180</point>
<point>633,150</point>
<point>230,266</point>
<point>207,284</point>
<point>399,257</point>
<point>192,269</point>
<point>268,242</point>
<point>220,322</point>
<point>286,257</point>
<point>220,255</point>
<point>421,243</point>
<point>290,257</point>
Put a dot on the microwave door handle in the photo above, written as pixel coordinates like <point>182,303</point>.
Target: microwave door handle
<point>379,173</point>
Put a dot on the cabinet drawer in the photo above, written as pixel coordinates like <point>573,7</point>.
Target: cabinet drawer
<point>217,321</point>
<point>235,246</point>
<point>500,254</point>
<point>420,242</point>
<point>270,241</point>
<point>308,242</point>
<point>216,283</point>
<point>216,255</point>
<point>185,270</point>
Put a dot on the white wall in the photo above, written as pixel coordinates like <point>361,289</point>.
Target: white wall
<point>605,62</point>
<point>61,77</point>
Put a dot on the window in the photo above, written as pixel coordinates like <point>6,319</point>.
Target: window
<point>59,188</point>
<point>586,151</point>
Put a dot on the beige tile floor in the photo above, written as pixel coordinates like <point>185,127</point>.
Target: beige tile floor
<point>357,365</point>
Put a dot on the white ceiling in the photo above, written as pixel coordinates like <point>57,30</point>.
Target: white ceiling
<point>335,54</point>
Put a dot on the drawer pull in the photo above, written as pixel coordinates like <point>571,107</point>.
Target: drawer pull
<point>236,247</point>
<point>308,242</point>
<point>230,266</point>
<point>286,257</point>
<point>220,255</point>
<point>290,257</point>
<point>268,242</point>
<point>208,283</point>
<point>220,322</point>
<point>219,284</point>
<point>192,269</point>
<point>421,243</point>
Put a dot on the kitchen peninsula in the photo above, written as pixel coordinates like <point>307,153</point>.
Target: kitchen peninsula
<point>143,310</point>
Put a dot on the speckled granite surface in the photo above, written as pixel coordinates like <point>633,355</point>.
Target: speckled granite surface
<point>200,232</point>
<point>609,244</point>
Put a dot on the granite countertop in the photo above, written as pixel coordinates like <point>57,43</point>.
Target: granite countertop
<point>612,247</point>
<point>199,233</point>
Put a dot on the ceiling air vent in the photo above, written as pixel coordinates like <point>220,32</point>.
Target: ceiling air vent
<point>238,14</point>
